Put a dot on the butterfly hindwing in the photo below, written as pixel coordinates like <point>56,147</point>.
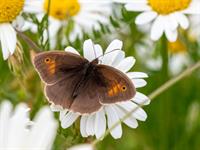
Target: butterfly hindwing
<point>118,86</point>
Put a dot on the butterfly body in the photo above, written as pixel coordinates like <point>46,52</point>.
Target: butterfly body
<point>79,85</point>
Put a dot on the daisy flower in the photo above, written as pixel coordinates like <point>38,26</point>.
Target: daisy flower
<point>194,31</point>
<point>85,15</point>
<point>165,15</point>
<point>82,147</point>
<point>178,60</point>
<point>9,18</point>
<point>108,115</point>
<point>18,132</point>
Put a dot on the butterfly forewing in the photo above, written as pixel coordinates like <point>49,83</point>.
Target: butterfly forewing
<point>54,66</point>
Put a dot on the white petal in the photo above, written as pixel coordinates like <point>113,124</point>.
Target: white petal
<point>145,17</point>
<point>138,83</point>
<point>45,125</point>
<point>126,64</point>
<point>56,108</point>
<point>8,39</point>
<point>83,125</point>
<point>90,124</point>
<point>98,50</point>
<point>140,98</point>
<point>114,45</point>
<point>139,113</point>
<point>112,51</point>
<point>157,28</point>
<point>171,34</point>
<point>119,57</point>
<point>17,125</point>
<point>5,112</point>
<point>112,119</point>
<point>72,50</point>
<point>18,23</point>
<point>137,7</point>
<point>88,50</point>
<point>130,121</point>
<point>82,147</point>
<point>182,20</point>
<point>68,119</point>
<point>62,114</point>
<point>100,124</point>
<point>136,75</point>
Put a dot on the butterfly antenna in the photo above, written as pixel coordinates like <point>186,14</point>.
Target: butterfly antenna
<point>108,53</point>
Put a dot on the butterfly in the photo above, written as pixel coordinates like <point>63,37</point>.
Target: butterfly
<point>78,85</point>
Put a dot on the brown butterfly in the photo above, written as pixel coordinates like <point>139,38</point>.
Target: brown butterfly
<point>79,85</point>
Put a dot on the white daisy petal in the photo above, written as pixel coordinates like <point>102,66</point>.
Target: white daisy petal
<point>90,125</point>
<point>126,64</point>
<point>137,7</point>
<point>8,39</point>
<point>130,121</point>
<point>100,124</point>
<point>82,147</point>
<point>145,18</point>
<point>68,119</point>
<point>114,45</point>
<point>62,113</point>
<point>83,125</point>
<point>157,28</point>
<point>140,98</point>
<point>56,108</point>
<point>111,52</point>
<point>138,83</point>
<point>88,50</point>
<point>112,119</point>
<point>72,50</point>
<point>139,113</point>
<point>171,34</point>
<point>43,118</point>
<point>182,20</point>
<point>5,111</point>
<point>118,58</point>
<point>18,132</point>
<point>136,75</point>
<point>98,50</point>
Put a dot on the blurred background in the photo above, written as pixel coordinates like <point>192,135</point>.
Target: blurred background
<point>173,117</point>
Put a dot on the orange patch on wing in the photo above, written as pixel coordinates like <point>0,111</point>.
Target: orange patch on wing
<point>52,67</point>
<point>114,90</point>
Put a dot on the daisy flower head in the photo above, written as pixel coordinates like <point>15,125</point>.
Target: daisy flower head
<point>178,60</point>
<point>165,15</point>
<point>108,114</point>
<point>194,32</point>
<point>80,15</point>
<point>17,131</point>
<point>9,18</point>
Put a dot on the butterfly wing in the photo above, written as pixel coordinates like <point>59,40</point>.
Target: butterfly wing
<point>106,85</point>
<point>118,87</point>
<point>86,101</point>
<point>54,66</point>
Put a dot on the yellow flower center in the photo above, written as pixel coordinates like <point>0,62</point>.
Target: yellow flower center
<point>168,6</point>
<point>10,9</point>
<point>177,47</point>
<point>62,9</point>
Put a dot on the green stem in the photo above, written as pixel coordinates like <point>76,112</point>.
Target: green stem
<point>164,108</point>
<point>165,61</point>
<point>153,95</point>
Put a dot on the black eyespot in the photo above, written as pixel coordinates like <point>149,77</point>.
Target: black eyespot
<point>47,60</point>
<point>124,88</point>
